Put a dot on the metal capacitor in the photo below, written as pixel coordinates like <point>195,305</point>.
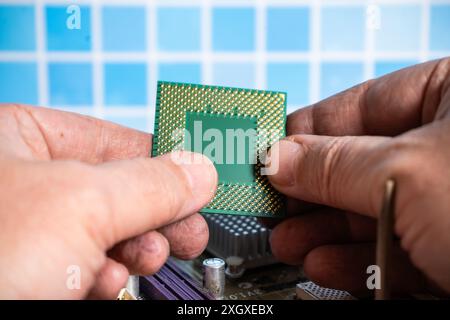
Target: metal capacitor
<point>214,277</point>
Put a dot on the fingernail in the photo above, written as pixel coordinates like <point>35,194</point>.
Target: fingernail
<point>201,174</point>
<point>284,154</point>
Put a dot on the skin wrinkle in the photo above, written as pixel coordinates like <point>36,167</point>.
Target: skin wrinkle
<point>425,146</point>
<point>390,106</point>
<point>66,199</point>
<point>17,113</point>
<point>426,92</point>
<point>198,229</point>
<point>443,110</point>
<point>331,157</point>
<point>363,103</point>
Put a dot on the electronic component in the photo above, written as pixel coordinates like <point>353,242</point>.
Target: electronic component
<point>235,267</point>
<point>234,128</point>
<point>239,236</point>
<point>171,283</point>
<point>124,294</point>
<point>311,291</point>
<point>214,277</point>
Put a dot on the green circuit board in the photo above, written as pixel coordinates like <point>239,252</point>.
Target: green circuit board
<point>233,127</point>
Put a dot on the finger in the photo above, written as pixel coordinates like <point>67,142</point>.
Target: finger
<point>386,106</point>
<point>142,255</point>
<point>344,267</point>
<point>341,172</point>
<point>57,134</point>
<point>294,238</point>
<point>188,237</point>
<point>111,278</point>
<point>145,194</point>
<point>145,254</point>
<point>293,208</point>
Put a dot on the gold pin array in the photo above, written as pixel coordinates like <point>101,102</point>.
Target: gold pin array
<point>175,100</point>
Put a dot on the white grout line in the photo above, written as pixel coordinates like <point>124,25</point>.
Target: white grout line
<point>344,56</point>
<point>424,37</point>
<point>261,57</point>
<point>216,57</point>
<point>206,46</point>
<point>40,54</point>
<point>369,45</point>
<point>315,36</point>
<point>231,3</point>
<point>152,58</point>
<point>97,63</point>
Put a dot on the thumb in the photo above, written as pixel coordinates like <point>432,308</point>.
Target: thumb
<point>342,172</point>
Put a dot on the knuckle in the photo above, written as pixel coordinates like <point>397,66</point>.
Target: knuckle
<point>170,182</point>
<point>331,159</point>
<point>87,199</point>
<point>396,159</point>
<point>98,218</point>
<point>412,165</point>
<point>187,237</point>
<point>151,253</point>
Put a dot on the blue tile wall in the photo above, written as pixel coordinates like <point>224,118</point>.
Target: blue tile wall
<point>124,28</point>
<point>439,32</point>
<point>180,72</point>
<point>17,25</point>
<point>400,28</point>
<point>18,82</point>
<point>125,84</point>
<point>292,78</point>
<point>235,74</point>
<point>338,76</point>
<point>109,66</point>
<point>233,29</point>
<point>139,123</point>
<point>385,67</point>
<point>62,38</point>
<point>70,84</point>
<point>288,29</point>
<point>179,29</point>
<point>342,28</point>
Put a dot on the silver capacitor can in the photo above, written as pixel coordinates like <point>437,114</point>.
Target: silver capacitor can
<point>214,277</point>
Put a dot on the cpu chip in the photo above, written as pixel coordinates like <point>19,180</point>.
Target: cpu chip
<point>233,127</point>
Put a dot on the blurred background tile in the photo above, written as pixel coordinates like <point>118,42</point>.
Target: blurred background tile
<point>234,74</point>
<point>62,38</point>
<point>125,84</point>
<point>385,67</point>
<point>124,28</point>
<point>439,33</point>
<point>139,123</point>
<point>233,29</point>
<point>342,28</point>
<point>17,30</point>
<point>288,28</point>
<point>18,82</point>
<point>338,76</point>
<point>179,29</point>
<point>70,84</point>
<point>292,78</point>
<point>109,67</point>
<point>400,28</point>
<point>180,72</point>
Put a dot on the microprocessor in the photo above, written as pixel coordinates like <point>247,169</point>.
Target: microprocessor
<point>233,127</point>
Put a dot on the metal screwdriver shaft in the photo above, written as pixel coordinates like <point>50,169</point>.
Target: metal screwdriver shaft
<point>385,235</point>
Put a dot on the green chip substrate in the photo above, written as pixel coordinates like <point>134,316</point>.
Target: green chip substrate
<point>234,127</point>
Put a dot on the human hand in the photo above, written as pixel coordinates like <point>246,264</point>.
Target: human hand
<point>339,154</point>
<point>80,191</point>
